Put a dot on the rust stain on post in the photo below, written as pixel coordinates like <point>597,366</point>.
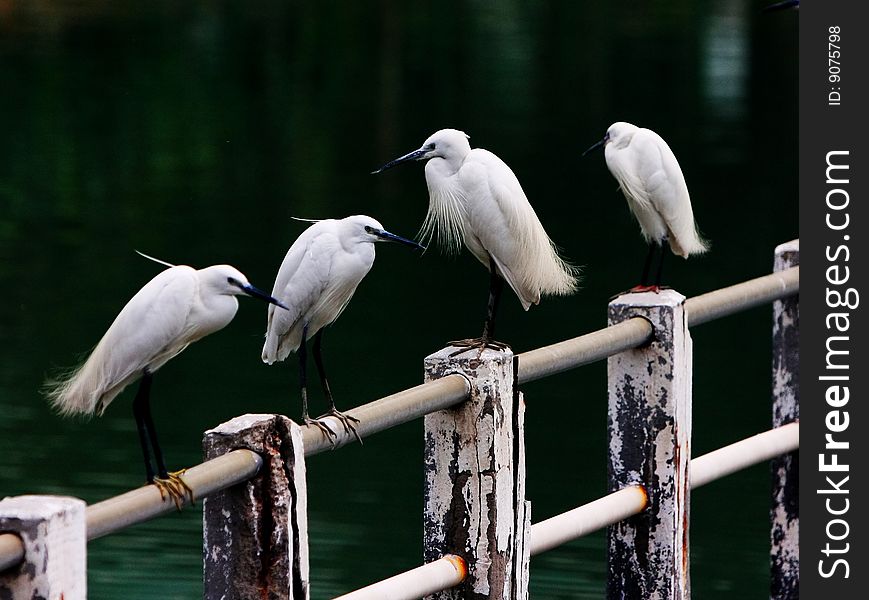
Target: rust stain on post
<point>255,534</point>
<point>649,421</point>
<point>474,482</point>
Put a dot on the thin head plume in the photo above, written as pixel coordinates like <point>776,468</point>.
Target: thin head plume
<point>156,260</point>
<point>306,220</point>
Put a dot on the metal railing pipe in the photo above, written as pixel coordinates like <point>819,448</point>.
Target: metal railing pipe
<point>600,344</point>
<point>587,518</point>
<point>614,507</point>
<point>583,350</point>
<point>11,550</point>
<point>750,451</point>
<point>391,410</point>
<point>742,296</point>
<point>144,503</point>
<point>624,503</point>
<point>442,574</point>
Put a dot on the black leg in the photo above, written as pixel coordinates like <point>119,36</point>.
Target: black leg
<point>303,383</point>
<point>162,473</point>
<point>140,408</point>
<point>496,286</point>
<point>644,281</point>
<point>167,483</point>
<point>660,268</point>
<point>303,372</point>
<point>487,340</point>
<point>346,420</point>
<point>318,360</point>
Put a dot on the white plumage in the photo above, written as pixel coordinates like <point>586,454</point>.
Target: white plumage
<point>316,280</point>
<point>654,186</point>
<point>476,199</point>
<point>177,307</point>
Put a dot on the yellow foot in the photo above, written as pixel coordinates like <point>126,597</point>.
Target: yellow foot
<point>330,435</point>
<point>481,342</point>
<point>346,420</point>
<point>174,487</point>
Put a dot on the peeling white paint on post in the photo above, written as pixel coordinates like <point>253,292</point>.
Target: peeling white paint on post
<point>649,422</point>
<point>52,529</point>
<point>785,509</point>
<point>255,534</point>
<point>474,477</point>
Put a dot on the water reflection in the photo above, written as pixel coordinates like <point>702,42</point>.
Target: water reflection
<point>193,131</point>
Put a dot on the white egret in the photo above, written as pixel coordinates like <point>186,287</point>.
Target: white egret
<point>476,199</point>
<point>177,307</point>
<point>652,182</point>
<point>315,282</point>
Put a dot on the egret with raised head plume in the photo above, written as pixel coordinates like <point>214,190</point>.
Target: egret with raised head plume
<point>475,199</point>
<point>176,308</point>
<point>315,282</point>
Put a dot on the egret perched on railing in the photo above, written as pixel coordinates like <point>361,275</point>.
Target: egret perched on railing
<point>176,308</point>
<point>476,199</point>
<point>652,182</point>
<point>315,282</point>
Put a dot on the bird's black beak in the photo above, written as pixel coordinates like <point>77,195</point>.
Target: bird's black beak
<point>258,293</point>
<point>415,155</point>
<point>391,237</point>
<point>596,145</point>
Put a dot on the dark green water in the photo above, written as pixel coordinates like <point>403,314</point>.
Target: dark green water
<point>194,132</point>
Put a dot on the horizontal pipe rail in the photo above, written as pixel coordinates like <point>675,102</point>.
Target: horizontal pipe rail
<point>11,551</point>
<point>438,575</point>
<point>603,343</point>
<point>390,411</point>
<point>585,519</point>
<point>145,503</point>
<point>600,513</point>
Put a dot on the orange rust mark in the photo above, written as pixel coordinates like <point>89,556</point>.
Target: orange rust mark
<point>459,564</point>
<point>645,493</point>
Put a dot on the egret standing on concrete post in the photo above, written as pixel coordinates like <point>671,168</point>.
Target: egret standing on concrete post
<point>475,199</point>
<point>177,307</point>
<point>318,277</point>
<point>652,182</point>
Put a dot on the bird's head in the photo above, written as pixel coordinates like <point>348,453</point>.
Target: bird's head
<point>619,135</point>
<point>449,144</point>
<point>229,281</point>
<point>365,229</point>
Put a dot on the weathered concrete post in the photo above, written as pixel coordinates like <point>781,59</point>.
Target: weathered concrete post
<point>255,535</point>
<point>52,529</point>
<point>649,422</point>
<point>785,510</point>
<point>475,477</point>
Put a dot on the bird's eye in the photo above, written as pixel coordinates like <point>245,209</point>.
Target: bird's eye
<point>233,281</point>
<point>430,146</point>
<point>369,229</point>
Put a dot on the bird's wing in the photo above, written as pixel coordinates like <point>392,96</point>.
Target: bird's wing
<point>301,281</point>
<point>668,193</point>
<point>147,332</point>
<point>507,228</point>
<point>153,326</point>
<point>629,167</point>
<point>660,174</point>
